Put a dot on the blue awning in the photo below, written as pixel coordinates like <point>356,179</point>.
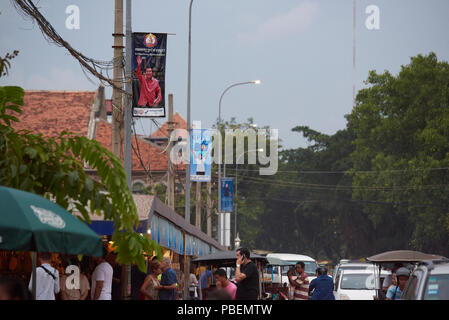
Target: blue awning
<point>106,228</point>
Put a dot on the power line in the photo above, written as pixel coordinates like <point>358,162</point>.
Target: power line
<point>336,187</point>
<point>351,200</point>
<point>347,171</point>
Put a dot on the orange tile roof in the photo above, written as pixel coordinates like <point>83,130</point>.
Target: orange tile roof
<point>50,112</point>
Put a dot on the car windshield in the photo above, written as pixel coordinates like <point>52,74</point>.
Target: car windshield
<point>437,287</point>
<point>309,266</point>
<point>357,282</point>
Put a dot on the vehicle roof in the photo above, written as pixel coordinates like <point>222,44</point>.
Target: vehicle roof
<point>442,268</point>
<point>290,257</point>
<point>356,264</point>
<point>361,271</point>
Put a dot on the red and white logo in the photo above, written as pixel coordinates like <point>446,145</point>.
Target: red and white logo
<point>150,40</point>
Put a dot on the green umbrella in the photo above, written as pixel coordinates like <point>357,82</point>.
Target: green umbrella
<point>29,222</point>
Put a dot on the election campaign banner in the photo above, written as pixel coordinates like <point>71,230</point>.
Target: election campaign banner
<point>148,77</point>
<point>227,194</point>
<point>200,155</point>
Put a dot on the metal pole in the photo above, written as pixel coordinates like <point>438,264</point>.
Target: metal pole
<point>236,189</point>
<point>236,204</point>
<point>224,165</point>
<point>354,25</point>
<point>127,125</point>
<point>187,207</point>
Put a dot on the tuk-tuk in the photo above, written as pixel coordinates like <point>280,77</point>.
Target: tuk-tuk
<point>386,260</point>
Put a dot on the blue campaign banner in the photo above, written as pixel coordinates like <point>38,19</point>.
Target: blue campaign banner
<point>227,194</point>
<point>200,155</point>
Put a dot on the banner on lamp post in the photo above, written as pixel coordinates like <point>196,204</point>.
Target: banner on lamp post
<point>148,77</point>
<point>227,194</point>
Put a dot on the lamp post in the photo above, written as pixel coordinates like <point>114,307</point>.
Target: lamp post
<point>236,189</point>
<point>187,206</point>
<point>220,156</point>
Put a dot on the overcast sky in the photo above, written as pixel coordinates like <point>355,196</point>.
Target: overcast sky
<point>301,50</point>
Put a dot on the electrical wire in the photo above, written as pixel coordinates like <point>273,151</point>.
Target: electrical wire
<point>27,9</point>
<point>346,172</point>
<point>336,187</point>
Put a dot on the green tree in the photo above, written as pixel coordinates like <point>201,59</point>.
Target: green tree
<point>53,167</point>
<point>402,134</point>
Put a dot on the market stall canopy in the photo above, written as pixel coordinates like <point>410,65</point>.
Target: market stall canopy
<point>225,257</point>
<point>29,222</point>
<point>402,256</point>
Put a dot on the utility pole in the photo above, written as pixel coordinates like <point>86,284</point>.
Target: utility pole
<point>198,206</point>
<point>187,206</point>
<point>171,178</point>
<point>354,27</point>
<point>117,102</point>
<point>209,209</point>
<point>117,119</point>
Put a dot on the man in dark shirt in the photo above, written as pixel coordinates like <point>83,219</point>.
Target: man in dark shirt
<point>247,276</point>
<point>322,286</point>
<point>168,281</point>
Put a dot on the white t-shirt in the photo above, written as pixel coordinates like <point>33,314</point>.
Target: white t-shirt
<point>192,282</point>
<point>103,272</point>
<point>387,281</point>
<point>46,286</point>
<point>201,165</point>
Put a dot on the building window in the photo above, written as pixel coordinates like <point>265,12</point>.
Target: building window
<point>138,187</point>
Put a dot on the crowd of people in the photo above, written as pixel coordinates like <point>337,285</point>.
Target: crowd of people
<point>161,282</point>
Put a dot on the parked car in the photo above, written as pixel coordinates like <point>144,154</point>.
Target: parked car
<point>359,284</point>
<point>355,266</point>
<point>429,281</point>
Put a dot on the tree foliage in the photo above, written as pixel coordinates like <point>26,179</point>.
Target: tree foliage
<point>379,184</point>
<point>53,167</point>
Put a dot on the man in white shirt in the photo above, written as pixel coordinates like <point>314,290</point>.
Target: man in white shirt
<point>102,279</point>
<point>47,279</point>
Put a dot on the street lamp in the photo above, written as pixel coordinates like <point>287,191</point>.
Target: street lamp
<point>187,200</point>
<point>236,189</point>
<point>237,242</point>
<point>219,123</point>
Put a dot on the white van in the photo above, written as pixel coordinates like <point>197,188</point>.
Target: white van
<point>356,283</point>
<point>275,273</point>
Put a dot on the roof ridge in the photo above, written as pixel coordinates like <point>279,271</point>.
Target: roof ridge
<point>61,91</point>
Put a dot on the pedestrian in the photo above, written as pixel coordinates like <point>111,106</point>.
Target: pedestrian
<point>77,289</point>
<point>322,287</point>
<point>13,288</point>
<point>299,281</point>
<point>395,292</point>
<point>193,285</point>
<point>388,281</point>
<point>151,284</point>
<point>205,282</point>
<point>137,279</point>
<point>47,279</point>
<point>116,291</point>
<point>222,281</point>
<point>102,278</point>
<point>246,276</point>
<point>219,294</point>
<point>168,281</point>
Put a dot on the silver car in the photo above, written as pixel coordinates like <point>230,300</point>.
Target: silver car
<point>429,281</point>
